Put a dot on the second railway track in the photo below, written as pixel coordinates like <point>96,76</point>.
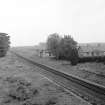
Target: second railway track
<point>89,91</point>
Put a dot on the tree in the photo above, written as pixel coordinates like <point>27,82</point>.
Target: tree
<point>63,47</point>
<point>67,44</point>
<point>53,44</point>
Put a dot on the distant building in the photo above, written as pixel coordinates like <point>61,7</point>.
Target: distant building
<point>91,50</point>
<point>41,49</point>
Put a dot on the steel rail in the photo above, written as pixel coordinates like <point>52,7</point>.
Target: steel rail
<point>93,90</point>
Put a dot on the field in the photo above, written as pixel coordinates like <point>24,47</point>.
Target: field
<point>84,70</point>
<point>22,85</point>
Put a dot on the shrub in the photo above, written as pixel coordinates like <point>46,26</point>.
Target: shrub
<point>74,56</point>
<point>4,44</point>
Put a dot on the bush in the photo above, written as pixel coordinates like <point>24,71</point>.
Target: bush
<point>74,56</point>
<point>4,44</point>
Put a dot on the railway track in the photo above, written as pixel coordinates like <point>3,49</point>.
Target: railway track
<point>94,73</point>
<point>89,91</point>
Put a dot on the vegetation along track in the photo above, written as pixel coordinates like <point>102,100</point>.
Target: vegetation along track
<point>89,91</point>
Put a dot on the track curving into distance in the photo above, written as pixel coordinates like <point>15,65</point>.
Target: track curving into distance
<point>89,91</point>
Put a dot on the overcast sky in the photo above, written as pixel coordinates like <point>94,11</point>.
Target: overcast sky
<point>29,22</point>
